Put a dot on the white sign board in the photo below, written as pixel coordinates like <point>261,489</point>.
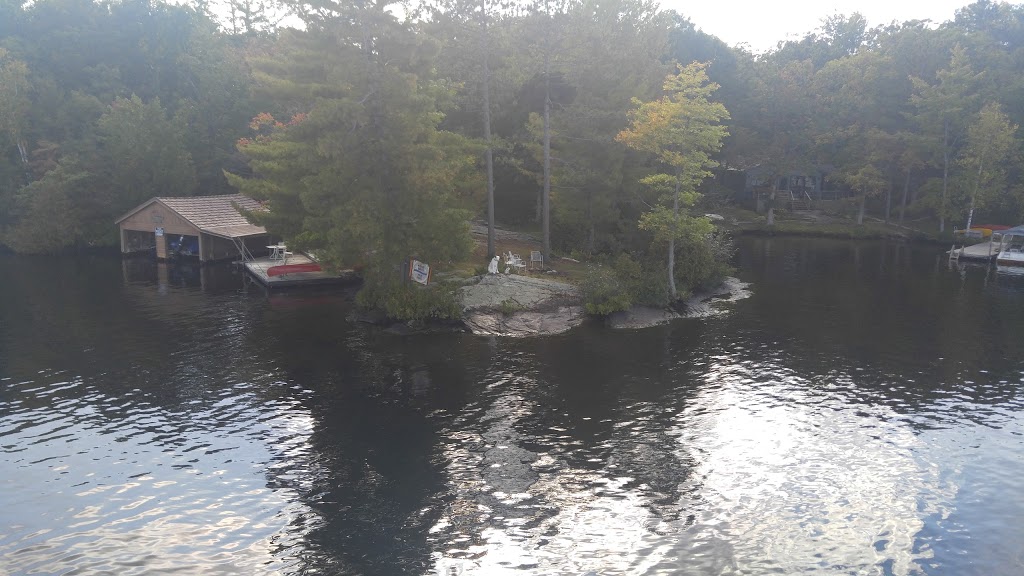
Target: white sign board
<point>419,271</point>
<point>160,231</point>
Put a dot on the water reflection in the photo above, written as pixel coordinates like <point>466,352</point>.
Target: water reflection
<point>95,483</point>
<point>860,413</point>
<point>796,481</point>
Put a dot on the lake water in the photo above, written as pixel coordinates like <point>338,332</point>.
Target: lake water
<point>860,413</point>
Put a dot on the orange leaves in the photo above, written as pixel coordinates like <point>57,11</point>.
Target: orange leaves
<point>263,120</point>
<point>264,124</point>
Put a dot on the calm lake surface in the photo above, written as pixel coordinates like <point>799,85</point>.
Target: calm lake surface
<point>861,413</point>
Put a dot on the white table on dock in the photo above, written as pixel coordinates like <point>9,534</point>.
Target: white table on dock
<point>279,252</point>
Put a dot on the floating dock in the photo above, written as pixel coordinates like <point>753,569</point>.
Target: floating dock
<point>982,251</point>
<point>258,268</point>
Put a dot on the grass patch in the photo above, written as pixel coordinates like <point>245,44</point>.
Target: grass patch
<point>476,264</point>
<point>742,221</point>
<point>866,231</point>
<point>510,306</point>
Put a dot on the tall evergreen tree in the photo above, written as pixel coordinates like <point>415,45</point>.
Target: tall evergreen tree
<point>682,130</point>
<point>359,172</point>
<point>943,109</point>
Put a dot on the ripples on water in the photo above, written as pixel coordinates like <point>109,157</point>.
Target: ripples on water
<point>860,414</point>
<point>96,483</point>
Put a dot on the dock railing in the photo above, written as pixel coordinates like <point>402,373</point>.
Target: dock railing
<point>243,251</point>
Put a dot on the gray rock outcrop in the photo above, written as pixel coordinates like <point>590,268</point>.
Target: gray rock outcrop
<point>517,305</point>
<point>700,305</point>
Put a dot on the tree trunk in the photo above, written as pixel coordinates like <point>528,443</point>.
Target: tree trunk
<point>888,201</point>
<point>903,203</point>
<point>22,152</point>
<point>860,213</point>
<point>488,152</point>
<point>974,196</point>
<point>672,245</point>
<point>945,175</point>
<point>547,156</point>
<point>590,221</point>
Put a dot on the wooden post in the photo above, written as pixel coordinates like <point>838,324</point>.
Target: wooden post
<point>161,247</point>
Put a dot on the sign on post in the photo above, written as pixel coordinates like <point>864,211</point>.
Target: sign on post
<point>160,231</point>
<point>419,271</point>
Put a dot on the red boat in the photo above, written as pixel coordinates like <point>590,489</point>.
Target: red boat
<point>293,269</point>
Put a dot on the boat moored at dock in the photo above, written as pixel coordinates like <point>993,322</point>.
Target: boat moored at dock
<point>1011,247</point>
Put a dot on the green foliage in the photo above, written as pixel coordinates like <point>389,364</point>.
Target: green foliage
<point>408,301</point>
<point>618,284</point>
<point>682,130</point>
<point>55,212</point>
<point>145,152</point>
<point>668,226</point>
<point>988,152</point>
<point>15,102</point>
<point>604,292</point>
<point>368,150</point>
<point>365,176</point>
<point>702,261</point>
<point>510,306</point>
<point>104,105</point>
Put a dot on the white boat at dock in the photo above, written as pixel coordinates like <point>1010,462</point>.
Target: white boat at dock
<point>986,246</point>
<point>1011,247</point>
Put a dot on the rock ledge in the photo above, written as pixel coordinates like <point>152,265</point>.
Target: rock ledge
<point>700,305</point>
<point>517,305</point>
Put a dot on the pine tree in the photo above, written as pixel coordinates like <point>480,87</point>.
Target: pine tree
<point>358,170</point>
<point>682,130</point>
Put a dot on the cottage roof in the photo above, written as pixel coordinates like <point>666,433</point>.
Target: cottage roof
<point>217,215</point>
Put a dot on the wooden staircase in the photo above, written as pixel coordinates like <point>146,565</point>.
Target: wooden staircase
<point>800,204</point>
<point>794,202</point>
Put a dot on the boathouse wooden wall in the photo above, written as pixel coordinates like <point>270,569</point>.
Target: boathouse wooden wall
<point>156,215</point>
<point>217,248</point>
<point>214,220</point>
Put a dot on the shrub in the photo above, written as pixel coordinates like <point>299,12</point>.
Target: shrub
<point>622,282</point>
<point>603,291</point>
<point>409,301</point>
<point>510,306</point>
<point>703,261</point>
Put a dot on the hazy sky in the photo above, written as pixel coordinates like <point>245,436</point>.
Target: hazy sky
<point>762,23</point>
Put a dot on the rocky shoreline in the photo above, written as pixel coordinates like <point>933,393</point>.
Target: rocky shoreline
<point>520,306</point>
<point>516,305</point>
<point>513,305</point>
<point>700,305</point>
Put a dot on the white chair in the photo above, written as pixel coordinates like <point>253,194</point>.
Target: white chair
<point>513,262</point>
<point>536,258</point>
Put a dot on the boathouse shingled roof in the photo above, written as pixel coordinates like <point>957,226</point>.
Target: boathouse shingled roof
<point>217,215</point>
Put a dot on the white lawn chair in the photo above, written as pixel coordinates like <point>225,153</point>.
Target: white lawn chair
<point>536,258</point>
<point>513,262</point>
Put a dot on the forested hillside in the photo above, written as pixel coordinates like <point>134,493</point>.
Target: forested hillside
<point>375,131</point>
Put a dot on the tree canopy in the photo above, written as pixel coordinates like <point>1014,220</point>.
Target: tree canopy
<point>376,133</point>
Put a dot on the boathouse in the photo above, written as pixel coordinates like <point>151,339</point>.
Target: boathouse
<point>207,227</point>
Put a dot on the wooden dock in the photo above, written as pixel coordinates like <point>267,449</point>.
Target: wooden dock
<point>258,267</point>
<point>982,251</point>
